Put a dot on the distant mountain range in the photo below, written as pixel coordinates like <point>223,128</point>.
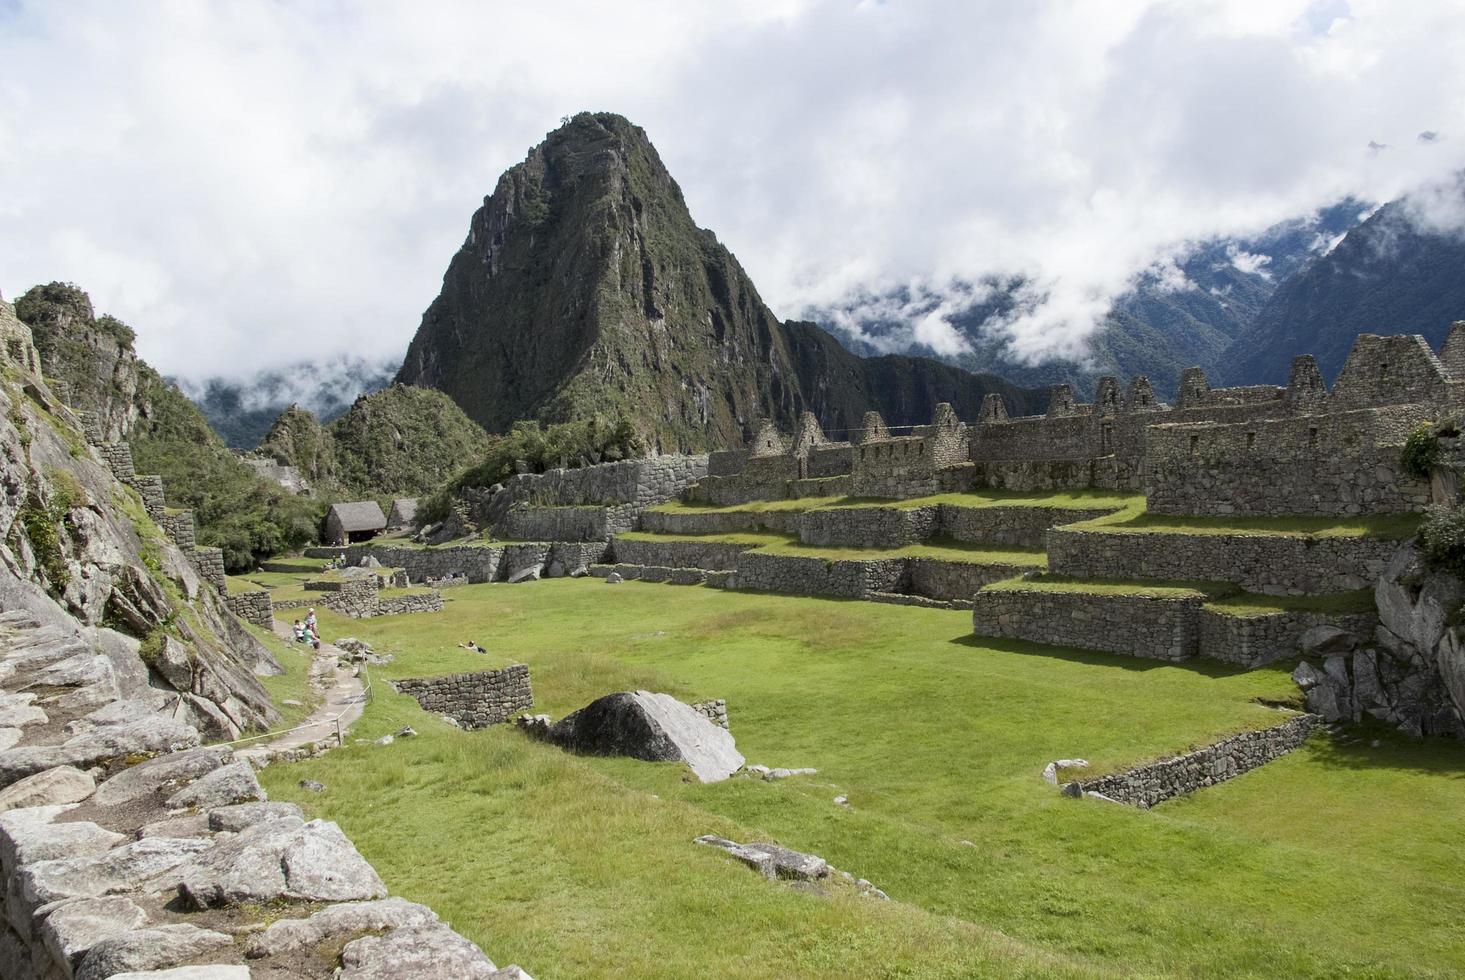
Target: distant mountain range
<point>1166,324</point>
<point>242,411</point>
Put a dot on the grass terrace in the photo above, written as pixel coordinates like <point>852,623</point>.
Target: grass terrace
<point>1072,500</point>
<point>1220,597</point>
<point>1337,860</point>
<point>1394,527</point>
<point>942,549</point>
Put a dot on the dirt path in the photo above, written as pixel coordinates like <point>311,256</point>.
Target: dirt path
<point>342,700</point>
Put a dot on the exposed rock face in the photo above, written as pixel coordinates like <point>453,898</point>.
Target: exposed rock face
<point>92,355</point>
<point>653,727</point>
<point>1413,673</point>
<point>584,286</point>
<point>72,559</point>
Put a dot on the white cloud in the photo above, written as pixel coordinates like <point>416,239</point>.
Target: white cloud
<point>253,185</point>
<point>1248,262</point>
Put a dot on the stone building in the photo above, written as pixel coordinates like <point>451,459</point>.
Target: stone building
<point>403,513</point>
<point>349,523</point>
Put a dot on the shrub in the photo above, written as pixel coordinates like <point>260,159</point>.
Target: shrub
<point>1421,451</point>
<point>1442,538</point>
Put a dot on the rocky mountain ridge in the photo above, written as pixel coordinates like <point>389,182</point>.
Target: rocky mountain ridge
<point>585,287</point>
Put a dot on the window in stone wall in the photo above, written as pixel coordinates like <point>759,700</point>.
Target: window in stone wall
<point>1384,371</point>
<point>1312,437</point>
<point>1106,439</point>
<point>1194,445</point>
<point>1250,439</point>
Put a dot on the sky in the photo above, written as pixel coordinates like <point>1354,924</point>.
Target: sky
<point>260,185</point>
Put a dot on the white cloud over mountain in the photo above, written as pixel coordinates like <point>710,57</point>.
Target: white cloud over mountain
<point>257,184</point>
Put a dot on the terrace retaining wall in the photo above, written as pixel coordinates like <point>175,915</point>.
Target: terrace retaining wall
<point>957,580</point>
<point>1146,786</point>
<point>1254,641</point>
<point>1149,626</point>
<point>474,700</point>
<point>252,607</point>
<point>1273,564</point>
<point>709,555</point>
<point>800,575</point>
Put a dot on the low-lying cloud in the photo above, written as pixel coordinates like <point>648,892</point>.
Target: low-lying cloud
<point>256,186</point>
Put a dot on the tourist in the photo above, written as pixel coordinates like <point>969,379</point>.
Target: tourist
<point>310,621</point>
<point>299,630</point>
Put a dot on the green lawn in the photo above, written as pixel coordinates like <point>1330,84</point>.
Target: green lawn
<point>943,549</point>
<point>1337,860</point>
<point>293,684</point>
<point>1072,500</point>
<point>1221,596</point>
<point>1391,526</point>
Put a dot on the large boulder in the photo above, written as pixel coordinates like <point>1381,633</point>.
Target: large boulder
<point>73,928</point>
<point>653,727</point>
<point>150,949</point>
<point>412,953</point>
<point>283,858</point>
<point>64,784</point>
<point>163,774</point>
<point>234,783</point>
<point>345,919</point>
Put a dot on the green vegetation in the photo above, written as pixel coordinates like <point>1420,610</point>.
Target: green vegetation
<point>1421,451</point>
<point>232,508</point>
<point>398,441</point>
<point>293,684</point>
<point>1333,861</point>
<point>534,449</point>
<point>1127,504</point>
<point>1442,538</point>
<point>44,520</point>
<point>1397,527</point>
<point>1222,597</point>
<point>943,549</point>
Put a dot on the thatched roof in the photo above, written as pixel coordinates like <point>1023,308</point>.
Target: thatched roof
<point>363,515</point>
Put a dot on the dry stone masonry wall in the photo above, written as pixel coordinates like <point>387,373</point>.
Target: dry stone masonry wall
<point>252,607</point>
<point>474,700</point>
<point>1152,626</point>
<point>1147,786</point>
<point>1270,563</point>
<point>1255,641</point>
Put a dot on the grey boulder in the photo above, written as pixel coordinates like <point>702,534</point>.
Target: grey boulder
<point>413,953</point>
<point>73,928</point>
<point>653,727</point>
<point>150,949</point>
<point>339,920</point>
<point>164,774</point>
<point>64,784</point>
<point>771,860</point>
<point>188,973</point>
<point>234,783</point>
<point>241,816</point>
<point>281,858</point>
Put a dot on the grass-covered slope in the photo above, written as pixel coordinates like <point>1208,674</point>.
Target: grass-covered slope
<point>401,440</point>
<point>1336,860</point>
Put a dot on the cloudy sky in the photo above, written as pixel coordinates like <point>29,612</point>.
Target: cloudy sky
<point>256,184</point>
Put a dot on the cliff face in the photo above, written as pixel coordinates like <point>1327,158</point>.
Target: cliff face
<point>79,555</point>
<point>92,356</point>
<point>584,286</point>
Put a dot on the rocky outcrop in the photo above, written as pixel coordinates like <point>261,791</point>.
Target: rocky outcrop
<point>653,727</point>
<point>584,287</point>
<point>1411,673</point>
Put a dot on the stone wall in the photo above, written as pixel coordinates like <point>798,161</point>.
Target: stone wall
<point>178,526</point>
<point>1146,786</point>
<point>1273,564</point>
<point>209,562</point>
<point>868,527</point>
<point>798,575</point>
<point>640,482</point>
<point>118,457</point>
<point>474,700</point>
<point>478,563</point>
<point>1009,527</point>
<point>714,710</point>
<point>411,603</point>
<point>252,607</point>
<point>1340,464</point>
<point>1150,626</point>
<point>526,523</point>
<point>711,555</point>
<point>958,580</point>
<point>720,521</point>
<point>1254,641</point>
<point>358,600</point>
<point>150,488</point>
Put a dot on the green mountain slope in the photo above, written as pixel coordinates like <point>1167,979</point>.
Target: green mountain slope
<point>585,287</point>
<point>401,440</point>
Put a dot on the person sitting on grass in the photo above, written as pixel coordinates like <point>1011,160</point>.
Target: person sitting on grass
<point>299,632</point>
